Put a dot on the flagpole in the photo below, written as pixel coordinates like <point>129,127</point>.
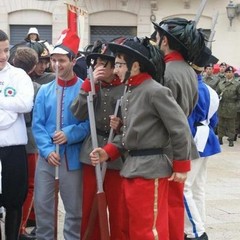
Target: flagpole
<point>78,25</point>
<point>73,7</point>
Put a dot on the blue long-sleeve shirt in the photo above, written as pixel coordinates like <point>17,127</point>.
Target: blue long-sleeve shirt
<point>206,112</point>
<point>44,121</point>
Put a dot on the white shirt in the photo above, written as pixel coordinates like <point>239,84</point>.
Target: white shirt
<point>16,98</point>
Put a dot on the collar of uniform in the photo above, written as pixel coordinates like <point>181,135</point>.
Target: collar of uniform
<point>138,79</point>
<point>67,83</point>
<point>173,56</point>
<point>209,77</point>
<point>114,82</point>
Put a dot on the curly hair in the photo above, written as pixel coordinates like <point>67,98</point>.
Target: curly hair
<point>156,57</point>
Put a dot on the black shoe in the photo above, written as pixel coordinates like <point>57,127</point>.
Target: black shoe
<point>202,237</point>
<point>27,236</point>
<point>220,141</point>
<point>235,138</point>
<point>231,144</point>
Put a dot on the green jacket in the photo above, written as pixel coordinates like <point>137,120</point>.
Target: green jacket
<point>211,81</point>
<point>229,94</point>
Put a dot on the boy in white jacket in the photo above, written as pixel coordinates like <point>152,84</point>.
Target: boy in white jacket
<point>16,98</point>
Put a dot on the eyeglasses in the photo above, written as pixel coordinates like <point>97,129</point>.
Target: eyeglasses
<point>119,64</point>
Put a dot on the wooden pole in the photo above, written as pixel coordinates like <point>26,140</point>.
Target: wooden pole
<point>212,33</point>
<point>100,195</point>
<point>200,11</point>
<point>56,186</point>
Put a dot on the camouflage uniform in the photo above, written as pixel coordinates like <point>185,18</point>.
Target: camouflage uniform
<point>229,93</point>
<point>220,76</point>
<point>237,120</point>
<point>211,81</point>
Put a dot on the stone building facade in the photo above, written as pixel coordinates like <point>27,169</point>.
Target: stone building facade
<point>109,17</point>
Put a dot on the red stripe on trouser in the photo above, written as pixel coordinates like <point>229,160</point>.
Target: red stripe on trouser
<point>138,215</point>
<point>28,203</point>
<point>112,188</point>
<point>176,211</point>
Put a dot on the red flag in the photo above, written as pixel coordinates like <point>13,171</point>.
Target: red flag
<point>72,18</point>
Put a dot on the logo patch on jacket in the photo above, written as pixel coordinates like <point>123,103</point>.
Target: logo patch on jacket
<point>9,92</point>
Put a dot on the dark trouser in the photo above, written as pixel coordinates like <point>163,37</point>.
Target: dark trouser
<point>226,127</point>
<point>28,204</point>
<point>14,187</point>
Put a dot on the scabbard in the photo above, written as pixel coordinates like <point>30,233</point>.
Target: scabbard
<point>56,189</point>
<point>92,220</point>
<point>102,215</point>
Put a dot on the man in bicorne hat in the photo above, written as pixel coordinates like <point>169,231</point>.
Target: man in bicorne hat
<point>40,74</point>
<point>149,113</point>
<point>181,43</point>
<point>108,90</point>
<point>72,132</point>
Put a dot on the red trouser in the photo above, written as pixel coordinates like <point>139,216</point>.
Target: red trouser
<point>176,211</point>
<point>112,189</point>
<point>145,211</point>
<point>28,204</point>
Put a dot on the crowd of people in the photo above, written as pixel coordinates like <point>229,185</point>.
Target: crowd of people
<point>159,113</point>
<point>227,86</point>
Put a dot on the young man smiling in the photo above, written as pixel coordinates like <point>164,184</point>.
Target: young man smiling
<point>69,138</point>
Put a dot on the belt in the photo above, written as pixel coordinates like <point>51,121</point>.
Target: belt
<point>145,152</point>
<point>103,133</point>
<point>198,124</point>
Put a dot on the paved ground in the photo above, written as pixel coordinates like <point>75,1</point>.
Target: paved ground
<point>222,195</point>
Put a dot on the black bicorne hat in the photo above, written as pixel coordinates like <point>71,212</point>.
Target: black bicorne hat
<point>80,67</point>
<point>40,48</point>
<point>185,34</point>
<point>202,60</point>
<point>212,60</point>
<point>100,49</point>
<point>137,50</point>
<point>86,50</point>
<point>173,28</point>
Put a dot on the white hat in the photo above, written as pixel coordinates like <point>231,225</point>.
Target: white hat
<point>33,30</point>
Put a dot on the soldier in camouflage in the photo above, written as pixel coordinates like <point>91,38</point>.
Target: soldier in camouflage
<point>237,121</point>
<point>229,94</point>
<point>221,75</point>
<point>210,79</point>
